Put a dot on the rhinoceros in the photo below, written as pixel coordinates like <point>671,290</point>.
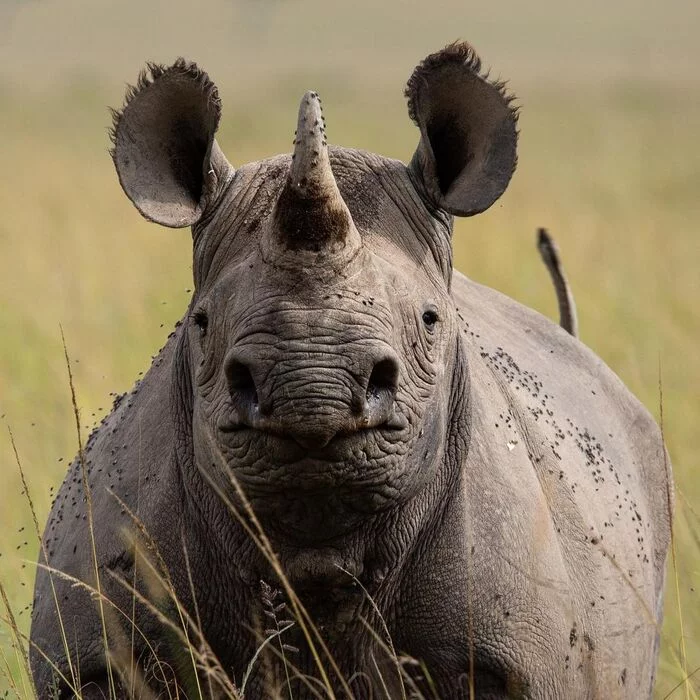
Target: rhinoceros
<point>462,498</point>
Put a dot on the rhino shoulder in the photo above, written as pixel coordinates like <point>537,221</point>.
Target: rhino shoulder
<point>578,407</point>
<point>493,322</point>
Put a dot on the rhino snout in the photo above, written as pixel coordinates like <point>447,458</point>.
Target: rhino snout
<point>312,404</point>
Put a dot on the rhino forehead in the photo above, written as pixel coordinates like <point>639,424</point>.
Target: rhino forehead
<point>378,191</point>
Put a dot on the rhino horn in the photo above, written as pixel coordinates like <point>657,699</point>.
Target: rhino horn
<point>310,213</point>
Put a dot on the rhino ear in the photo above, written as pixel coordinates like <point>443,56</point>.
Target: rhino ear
<point>467,150</point>
<point>164,149</point>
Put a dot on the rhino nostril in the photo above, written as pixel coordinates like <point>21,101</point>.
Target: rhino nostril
<point>241,381</point>
<point>383,381</point>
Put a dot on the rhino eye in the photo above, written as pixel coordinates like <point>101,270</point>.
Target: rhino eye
<point>430,318</point>
<point>201,320</point>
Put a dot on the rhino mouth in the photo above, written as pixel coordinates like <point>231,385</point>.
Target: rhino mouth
<point>364,465</point>
<point>315,423</point>
<point>280,448</point>
<point>309,494</point>
<point>313,440</point>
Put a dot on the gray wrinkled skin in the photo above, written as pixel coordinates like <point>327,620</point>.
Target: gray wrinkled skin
<point>490,482</point>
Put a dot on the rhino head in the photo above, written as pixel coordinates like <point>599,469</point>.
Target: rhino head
<point>320,364</point>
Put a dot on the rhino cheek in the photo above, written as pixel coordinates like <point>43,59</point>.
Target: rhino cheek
<point>208,457</point>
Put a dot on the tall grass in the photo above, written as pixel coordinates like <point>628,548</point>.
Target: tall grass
<point>611,170</point>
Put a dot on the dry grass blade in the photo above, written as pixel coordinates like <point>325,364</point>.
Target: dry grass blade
<point>261,541</point>
<point>202,656</point>
<point>190,583</point>
<point>682,682</point>
<point>14,628</point>
<point>88,498</point>
<point>160,577</point>
<point>388,642</point>
<point>273,610</point>
<point>6,672</point>
<point>160,616</point>
<point>123,660</point>
<point>406,679</point>
<point>251,664</point>
<point>669,501</point>
<point>431,683</point>
<point>309,682</point>
<point>73,688</point>
<point>387,694</point>
<point>42,546</point>
<point>8,676</point>
<point>314,685</point>
<point>15,631</point>
<point>200,653</point>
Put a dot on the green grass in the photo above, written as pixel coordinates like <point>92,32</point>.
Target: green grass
<point>612,169</point>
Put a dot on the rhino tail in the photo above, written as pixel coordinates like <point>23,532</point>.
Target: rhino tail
<point>549,253</point>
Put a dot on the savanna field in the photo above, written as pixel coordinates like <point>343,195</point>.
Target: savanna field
<point>609,162</point>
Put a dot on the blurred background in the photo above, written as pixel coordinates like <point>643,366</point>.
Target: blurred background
<point>609,162</point>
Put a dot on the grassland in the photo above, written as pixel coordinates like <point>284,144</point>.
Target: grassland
<point>609,161</point>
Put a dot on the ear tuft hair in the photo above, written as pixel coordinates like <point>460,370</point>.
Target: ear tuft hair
<point>460,53</point>
<point>154,72</point>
